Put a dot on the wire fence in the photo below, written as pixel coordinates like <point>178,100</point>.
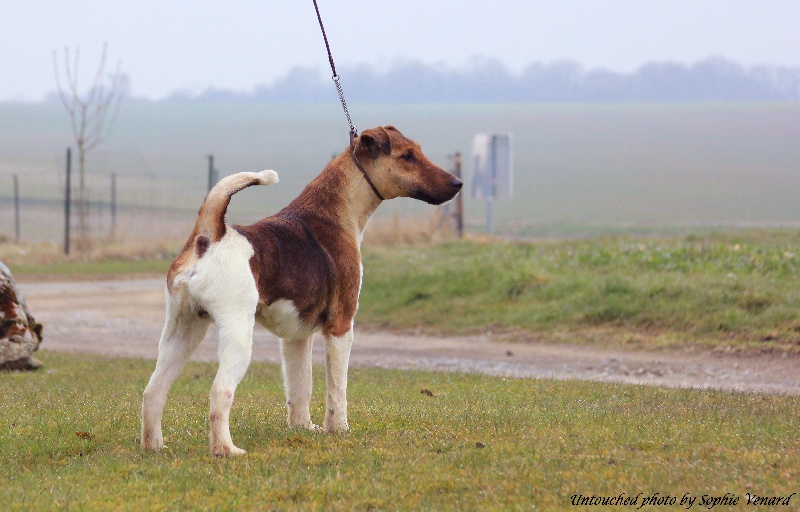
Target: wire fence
<point>122,198</point>
<point>577,170</point>
<point>126,201</point>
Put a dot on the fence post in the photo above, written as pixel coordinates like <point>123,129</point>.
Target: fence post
<point>211,173</point>
<point>490,215</point>
<point>67,201</point>
<point>113,205</point>
<point>459,213</point>
<point>16,207</point>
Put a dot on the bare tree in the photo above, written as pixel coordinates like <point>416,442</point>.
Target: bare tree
<point>92,114</point>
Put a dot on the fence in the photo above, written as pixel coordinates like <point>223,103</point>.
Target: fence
<point>579,169</point>
<point>126,200</point>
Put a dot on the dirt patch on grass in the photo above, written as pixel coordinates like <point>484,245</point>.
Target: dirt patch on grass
<point>125,318</point>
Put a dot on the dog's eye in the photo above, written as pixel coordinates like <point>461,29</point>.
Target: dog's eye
<point>408,157</point>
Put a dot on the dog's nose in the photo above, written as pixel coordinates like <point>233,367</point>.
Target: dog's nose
<point>457,183</point>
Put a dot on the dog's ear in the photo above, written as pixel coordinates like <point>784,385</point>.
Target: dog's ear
<point>375,141</point>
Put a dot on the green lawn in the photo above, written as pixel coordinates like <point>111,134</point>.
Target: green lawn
<point>113,268</point>
<point>478,443</point>
<point>738,289</point>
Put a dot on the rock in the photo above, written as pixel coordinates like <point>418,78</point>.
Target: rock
<point>20,334</point>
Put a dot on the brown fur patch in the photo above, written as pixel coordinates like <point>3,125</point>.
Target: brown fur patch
<point>296,261</point>
<point>182,260</point>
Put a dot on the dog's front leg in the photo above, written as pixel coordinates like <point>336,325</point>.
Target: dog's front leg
<point>337,359</point>
<point>296,368</point>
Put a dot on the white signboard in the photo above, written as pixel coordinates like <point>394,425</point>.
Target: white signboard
<point>492,169</point>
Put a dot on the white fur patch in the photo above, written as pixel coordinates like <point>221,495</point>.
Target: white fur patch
<point>282,318</point>
<point>221,280</point>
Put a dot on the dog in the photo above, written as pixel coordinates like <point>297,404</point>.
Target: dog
<point>296,273</point>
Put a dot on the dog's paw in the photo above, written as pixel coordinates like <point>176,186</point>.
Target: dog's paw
<point>152,444</point>
<point>339,429</point>
<point>227,451</point>
<point>313,427</point>
<point>336,421</point>
<point>332,427</point>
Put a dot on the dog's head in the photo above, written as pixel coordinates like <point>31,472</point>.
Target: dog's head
<point>398,167</point>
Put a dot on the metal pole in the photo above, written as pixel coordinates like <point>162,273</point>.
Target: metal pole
<point>490,215</point>
<point>210,172</point>
<point>16,207</point>
<point>113,205</point>
<point>492,188</point>
<point>67,201</point>
<point>459,213</point>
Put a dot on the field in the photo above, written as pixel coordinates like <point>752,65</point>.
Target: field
<point>68,440</point>
<point>736,289</point>
<point>727,290</point>
<point>694,251</point>
<point>579,169</point>
<point>432,440</point>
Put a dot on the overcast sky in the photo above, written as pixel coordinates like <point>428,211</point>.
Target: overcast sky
<point>168,45</point>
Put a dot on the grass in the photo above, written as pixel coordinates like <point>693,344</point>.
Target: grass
<point>737,289</point>
<point>105,260</point>
<point>478,443</point>
<point>727,290</point>
<point>105,269</point>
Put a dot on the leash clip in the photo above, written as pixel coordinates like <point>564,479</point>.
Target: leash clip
<point>353,135</point>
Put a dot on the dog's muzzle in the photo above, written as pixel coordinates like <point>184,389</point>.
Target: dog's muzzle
<point>439,196</point>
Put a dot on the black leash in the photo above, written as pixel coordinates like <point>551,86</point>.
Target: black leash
<point>353,132</point>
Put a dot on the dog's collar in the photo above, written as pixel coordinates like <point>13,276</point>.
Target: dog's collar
<point>369,181</point>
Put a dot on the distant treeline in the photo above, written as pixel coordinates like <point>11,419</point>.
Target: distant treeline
<point>489,81</point>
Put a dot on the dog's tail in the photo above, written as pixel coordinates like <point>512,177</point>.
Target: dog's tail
<point>210,226</point>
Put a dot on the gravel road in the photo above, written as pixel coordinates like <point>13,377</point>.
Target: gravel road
<point>125,318</point>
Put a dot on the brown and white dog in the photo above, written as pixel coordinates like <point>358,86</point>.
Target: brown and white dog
<point>296,273</point>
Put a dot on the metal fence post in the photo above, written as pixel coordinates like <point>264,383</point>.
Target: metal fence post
<point>211,179</point>
<point>16,208</point>
<point>113,205</point>
<point>67,201</point>
<point>459,213</point>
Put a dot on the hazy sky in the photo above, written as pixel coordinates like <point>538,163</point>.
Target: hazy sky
<point>166,45</point>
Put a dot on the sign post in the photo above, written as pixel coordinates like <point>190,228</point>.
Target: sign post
<point>492,171</point>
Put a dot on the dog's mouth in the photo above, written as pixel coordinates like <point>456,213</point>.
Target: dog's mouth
<point>440,196</point>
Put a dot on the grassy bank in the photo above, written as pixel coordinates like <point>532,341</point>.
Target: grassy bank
<point>69,440</point>
<point>738,289</point>
<point>104,260</point>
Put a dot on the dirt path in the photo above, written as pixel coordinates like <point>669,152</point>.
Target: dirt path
<point>125,318</point>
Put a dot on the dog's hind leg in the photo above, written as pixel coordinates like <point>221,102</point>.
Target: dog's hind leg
<point>183,331</point>
<point>296,368</point>
<point>235,350</point>
<point>337,359</point>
